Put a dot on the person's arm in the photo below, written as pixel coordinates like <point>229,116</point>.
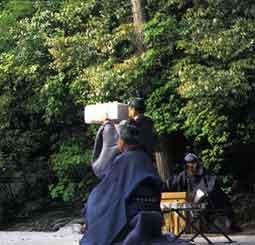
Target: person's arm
<point>98,144</point>
<point>108,152</point>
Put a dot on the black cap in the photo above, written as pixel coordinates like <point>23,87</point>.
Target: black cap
<point>129,132</point>
<point>138,104</point>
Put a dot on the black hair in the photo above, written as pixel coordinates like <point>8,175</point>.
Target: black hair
<point>129,132</point>
<point>138,104</point>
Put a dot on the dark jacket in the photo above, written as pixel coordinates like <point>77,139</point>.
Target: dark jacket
<point>205,181</point>
<point>183,182</point>
<point>147,136</point>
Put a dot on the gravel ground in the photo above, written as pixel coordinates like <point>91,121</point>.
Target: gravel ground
<point>239,239</point>
<point>69,235</point>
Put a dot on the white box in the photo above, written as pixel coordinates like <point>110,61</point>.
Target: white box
<point>114,111</point>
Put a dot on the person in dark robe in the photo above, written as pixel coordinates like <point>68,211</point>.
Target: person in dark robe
<point>104,150</point>
<point>196,178</point>
<point>124,208</point>
<point>192,178</point>
<point>148,139</point>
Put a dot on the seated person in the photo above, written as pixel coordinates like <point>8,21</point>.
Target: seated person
<point>124,208</point>
<point>195,177</point>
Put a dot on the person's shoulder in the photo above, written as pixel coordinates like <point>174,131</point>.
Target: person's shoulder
<point>144,120</point>
<point>136,155</point>
<point>123,161</point>
<point>181,174</point>
<point>124,157</point>
<point>148,120</point>
<point>207,172</point>
<point>108,123</point>
<point>209,175</point>
<point>108,126</point>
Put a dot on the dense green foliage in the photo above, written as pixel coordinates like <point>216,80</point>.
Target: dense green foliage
<point>196,73</point>
<point>210,73</point>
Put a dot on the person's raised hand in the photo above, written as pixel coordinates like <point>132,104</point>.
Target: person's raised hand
<point>83,228</point>
<point>104,118</point>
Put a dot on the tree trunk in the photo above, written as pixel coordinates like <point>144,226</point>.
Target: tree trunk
<point>138,21</point>
<point>163,158</point>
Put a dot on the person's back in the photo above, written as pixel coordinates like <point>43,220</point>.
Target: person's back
<point>147,137</point>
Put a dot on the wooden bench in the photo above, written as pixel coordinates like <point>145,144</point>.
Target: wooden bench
<point>173,223</point>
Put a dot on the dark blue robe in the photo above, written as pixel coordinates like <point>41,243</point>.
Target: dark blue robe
<point>106,206</point>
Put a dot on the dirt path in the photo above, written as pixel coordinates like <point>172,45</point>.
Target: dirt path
<point>69,235</point>
<point>66,236</point>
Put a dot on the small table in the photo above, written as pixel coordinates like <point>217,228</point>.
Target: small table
<point>173,223</point>
<point>200,212</point>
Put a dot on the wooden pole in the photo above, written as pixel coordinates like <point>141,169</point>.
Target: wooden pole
<point>163,158</point>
